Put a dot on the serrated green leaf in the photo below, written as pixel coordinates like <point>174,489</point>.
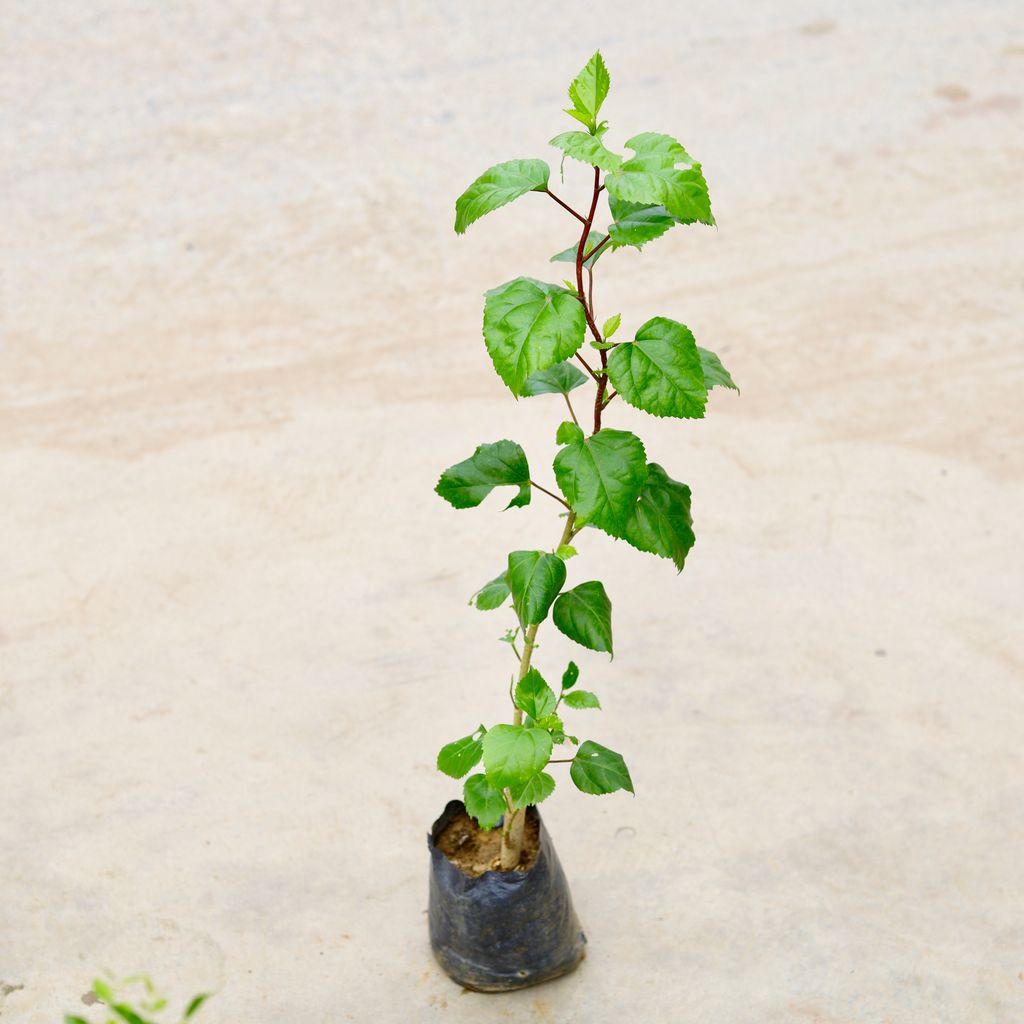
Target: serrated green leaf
<point>570,676</point>
<point>661,371</point>
<point>652,177</point>
<point>584,614</point>
<point>611,325</point>
<point>596,770</point>
<point>552,723</point>
<point>484,801</point>
<point>491,595</point>
<point>601,476</point>
<point>529,326</point>
<point>660,522</point>
<point>534,696</point>
<point>559,379</point>
<point>565,552</point>
<point>637,223</point>
<point>535,578</point>
<point>459,756</point>
<point>467,483</point>
<point>582,699</point>
<point>195,1004</point>
<point>594,239</point>
<point>531,792</point>
<point>588,91</point>
<point>515,753</point>
<point>588,149</point>
<point>568,433</point>
<point>715,374</point>
<point>498,186</point>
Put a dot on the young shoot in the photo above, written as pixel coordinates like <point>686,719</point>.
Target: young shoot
<point>536,334</point>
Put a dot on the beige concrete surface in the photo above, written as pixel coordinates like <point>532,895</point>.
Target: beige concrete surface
<point>240,340</point>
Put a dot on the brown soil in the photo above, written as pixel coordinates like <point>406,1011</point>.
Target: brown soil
<point>474,851</point>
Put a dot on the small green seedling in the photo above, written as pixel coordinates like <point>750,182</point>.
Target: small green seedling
<point>133,1000</point>
<point>534,332</point>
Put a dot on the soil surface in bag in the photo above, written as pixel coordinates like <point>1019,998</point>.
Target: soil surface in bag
<point>474,851</point>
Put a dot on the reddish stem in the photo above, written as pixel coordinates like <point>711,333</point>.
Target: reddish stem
<point>566,206</point>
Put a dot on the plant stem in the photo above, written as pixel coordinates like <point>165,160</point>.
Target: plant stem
<point>571,411</point>
<point>550,494</point>
<point>597,248</point>
<point>512,829</point>
<point>565,206</point>
<point>587,366</point>
<point>514,825</point>
<point>580,256</point>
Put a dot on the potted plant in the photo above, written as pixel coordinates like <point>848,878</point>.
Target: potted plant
<point>500,912</point>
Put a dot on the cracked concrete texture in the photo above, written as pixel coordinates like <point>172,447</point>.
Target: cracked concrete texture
<point>239,340</point>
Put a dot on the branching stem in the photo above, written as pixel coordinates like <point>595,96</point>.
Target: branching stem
<point>566,206</point>
<point>551,494</point>
<point>513,827</point>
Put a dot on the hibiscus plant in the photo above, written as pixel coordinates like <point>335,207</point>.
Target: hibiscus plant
<point>536,333</point>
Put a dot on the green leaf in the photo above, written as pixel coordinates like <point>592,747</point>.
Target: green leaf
<point>584,614</point>
<point>588,91</point>
<point>497,186</point>
<point>467,483</point>
<point>127,1014</point>
<point>570,676</point>
<point>535,578</point>
<point>661,371</point>
<point>515,753</point>
<point>596,770</point>
<point>553,724</point>
<point>653,177</point>
<point>582,699</point>
<point>534,696</point>
<point>484,801</point>
<point>69,1019</point>
<point>196,1003</point>
<point>637,223</point>
<point>715,374</point>
<point>660,522</point>
<point>588,149</point>
<point>103,990</point>
<point>529,326</point>
<point>459,756</point>
<point>611,325</point>
<point>491,595</point>
<point>568,433</point>
<point>565,552</point>
<point>601,476</point>
<point>559,379</point>
<point>594,239</point>
<point>533,791</point>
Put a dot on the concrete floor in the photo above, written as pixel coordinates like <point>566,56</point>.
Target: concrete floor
<point>240,340</point>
